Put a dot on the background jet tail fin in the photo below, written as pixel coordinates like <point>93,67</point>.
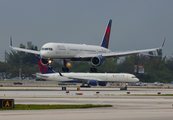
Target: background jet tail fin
<point>105,41</point>
<point>10,41</point>
<point>60,73</point>
<point>44,69</point>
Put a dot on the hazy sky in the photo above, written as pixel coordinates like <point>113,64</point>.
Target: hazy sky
<point>137,24</point>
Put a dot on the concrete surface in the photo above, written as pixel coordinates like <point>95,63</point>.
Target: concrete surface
<point>125,107</point>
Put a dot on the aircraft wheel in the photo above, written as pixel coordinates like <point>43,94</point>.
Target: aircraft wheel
<point>50,68</point>
<point>92,69</point>
<point>95,69</point>
<point>67,69</point>
<point>63,69</point>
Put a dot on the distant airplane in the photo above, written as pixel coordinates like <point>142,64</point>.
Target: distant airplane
<point>80,52</point>
<point>92,79</point>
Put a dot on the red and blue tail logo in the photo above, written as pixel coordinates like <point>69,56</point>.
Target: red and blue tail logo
<point>43,69</point>
<point>105,42</point>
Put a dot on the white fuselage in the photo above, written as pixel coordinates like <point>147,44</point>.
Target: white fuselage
<point>68,51</point>
<point>106,77</point>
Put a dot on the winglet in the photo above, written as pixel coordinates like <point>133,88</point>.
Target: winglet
<point>105,41</point>
<point>163,42</point>
<point>10,41</point>
<point>60,73</point>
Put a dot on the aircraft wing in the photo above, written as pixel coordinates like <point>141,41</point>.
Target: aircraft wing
<point>26,50</point>
<point>120,54</point>
<point>125,53</point>
<point>115,54</point>
<point>41,76</point>
<point>23,50</point>
<point>81,79</point>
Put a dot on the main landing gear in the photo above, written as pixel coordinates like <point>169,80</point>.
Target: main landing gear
<point>83,85</point>
<point>125,88</point>
<point>93,69</point>
<point>65,68</point>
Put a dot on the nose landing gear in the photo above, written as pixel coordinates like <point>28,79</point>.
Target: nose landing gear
<point>65,68</point>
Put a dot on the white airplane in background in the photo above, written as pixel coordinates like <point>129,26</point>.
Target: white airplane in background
<point>80,52</point>
<point>92,79</point>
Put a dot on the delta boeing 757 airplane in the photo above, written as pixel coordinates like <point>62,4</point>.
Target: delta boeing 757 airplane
<point>91,79</point>
<point>80,52</point>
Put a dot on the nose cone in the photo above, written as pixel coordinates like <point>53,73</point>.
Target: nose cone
<point>136,80</point>
<point>44,54</point>
<point>133,78</point>
<point>47,51</point>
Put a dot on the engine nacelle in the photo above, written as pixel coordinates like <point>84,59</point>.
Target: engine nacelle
<point>46,62</point>
<point>101,83</point>
<point>93,82</point>
<point>97,61</point>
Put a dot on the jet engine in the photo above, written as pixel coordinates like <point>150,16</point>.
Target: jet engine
<point>93,82</point>
<point>97,61</point>
<point>46,62</point>
<point>101,83</point>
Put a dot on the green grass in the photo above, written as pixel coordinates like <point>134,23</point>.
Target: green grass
<point>44,107</point>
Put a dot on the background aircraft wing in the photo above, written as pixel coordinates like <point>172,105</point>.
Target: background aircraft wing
<point>23,50</point>
<point>40,75</point>
<point>81,79</point>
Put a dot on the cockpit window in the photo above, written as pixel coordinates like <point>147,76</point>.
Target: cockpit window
<point>133,76</point>
<point>47,49</point>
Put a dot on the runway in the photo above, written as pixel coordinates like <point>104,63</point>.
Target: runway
<point>131,107</point>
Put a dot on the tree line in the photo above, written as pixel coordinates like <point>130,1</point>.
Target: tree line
<point>156,66</point>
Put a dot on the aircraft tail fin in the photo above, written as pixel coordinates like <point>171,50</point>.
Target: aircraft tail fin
<point>10,41</point>
<point>105,41</point>
<point>60,73</point>
<point>44,69</point>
